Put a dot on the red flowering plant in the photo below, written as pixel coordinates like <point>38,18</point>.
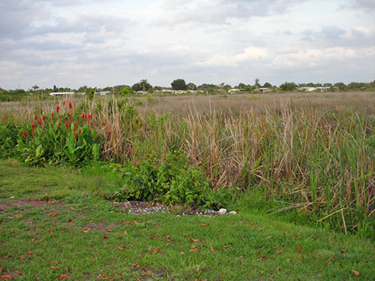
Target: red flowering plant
<point>61,136</point>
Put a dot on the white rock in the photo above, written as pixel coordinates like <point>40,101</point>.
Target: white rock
<point>233,213</point>
<point>222,211</point>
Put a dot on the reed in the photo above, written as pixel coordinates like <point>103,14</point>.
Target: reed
<point>313,152</point>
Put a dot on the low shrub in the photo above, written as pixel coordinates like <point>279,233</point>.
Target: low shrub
<point>173,181</point>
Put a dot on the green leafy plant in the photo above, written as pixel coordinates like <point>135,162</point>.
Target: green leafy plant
<point>172,182</point>
<point>57,138</point>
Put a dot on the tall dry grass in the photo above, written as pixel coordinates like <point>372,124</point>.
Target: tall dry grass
<point>315,152</point>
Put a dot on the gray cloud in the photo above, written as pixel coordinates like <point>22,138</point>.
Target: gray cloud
<point>333,32</point>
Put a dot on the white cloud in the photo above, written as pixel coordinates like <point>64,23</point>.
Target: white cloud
<point>111,42</point>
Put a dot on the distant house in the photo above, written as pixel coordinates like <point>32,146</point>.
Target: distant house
<point>103,93</point>
<point>312,89</point>
<point>61,93</point>
<point>235,90</point>
<point>263,90</point>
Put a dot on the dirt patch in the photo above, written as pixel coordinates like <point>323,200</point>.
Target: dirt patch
<point>34,203</point>
<point>98,226</point>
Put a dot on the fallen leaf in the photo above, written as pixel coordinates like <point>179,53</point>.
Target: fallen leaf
<point>105,237</point>
<point>49,203</point>
<point>193,250</point>
<point>224,247</point>
<point>54,215</point>
<point>182,253</point>
<point>262,258</point>
<point>123,249</point>
<point>146,274</point>
<point>50,231</point>
<point>109,230</point>
<point>22,257</point>
<point>343,251</point>
<point>6,277</point>
<point>211,250</point>
<point>63,276</point>
<point>124,232</point>
<point>136,265</point>
<point>356,273</point>
<point>55,267</point>
<point>280,252</point>
<point>29,253</point>
<point>69,220</point>
<point>261,229</point>
<point>204,224</point>
<point>277,269</point>
<point>243,239</point>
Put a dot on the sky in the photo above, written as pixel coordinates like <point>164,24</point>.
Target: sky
<point>100,43</point>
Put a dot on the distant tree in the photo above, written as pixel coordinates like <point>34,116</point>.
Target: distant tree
<point>267,85</point>
<point>179,84</point>
<point>341,86</point>
<point>241,86</point>
<point>143,85</point>
<point>288,86</point>
<point>191,86</point>
<point>126,91</point>
<point>257,85</point>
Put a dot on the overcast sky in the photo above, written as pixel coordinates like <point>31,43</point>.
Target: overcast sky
<point>99,43</point>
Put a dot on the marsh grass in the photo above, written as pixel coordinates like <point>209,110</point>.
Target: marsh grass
<point>312,152</point>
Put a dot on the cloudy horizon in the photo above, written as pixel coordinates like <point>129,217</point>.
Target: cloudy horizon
<point>99,43</point>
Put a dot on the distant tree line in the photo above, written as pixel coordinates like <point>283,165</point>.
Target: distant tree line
<point>180,84</point>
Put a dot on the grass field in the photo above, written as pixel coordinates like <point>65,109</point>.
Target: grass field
<point>55,224</point>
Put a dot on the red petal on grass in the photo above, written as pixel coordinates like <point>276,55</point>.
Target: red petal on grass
<point>29,253</point>
<point>69,220</point>
<point>118,273</point>
<point>50,231</point>
<point>243,239</point>
<point>356,273</point>
<point>123,249</point>
<point>6,277</point>
<point>49,203</point>
<point>261,229</point>
<point>109,230</point>
<point>22,257</point>
<point>211,250</point>
<point>203,224</point>
<point>105,237</point>
<point>125,232</point>
<point>64,276</point>
<point>343,251</point>
<point>277,269</point>
<point>146,274</point>
<point>136,265</point>
<point>54,215</point>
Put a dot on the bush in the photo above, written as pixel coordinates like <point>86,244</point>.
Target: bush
<point>174,182</point>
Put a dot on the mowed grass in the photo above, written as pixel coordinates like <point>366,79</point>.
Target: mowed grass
<point>81,236</point>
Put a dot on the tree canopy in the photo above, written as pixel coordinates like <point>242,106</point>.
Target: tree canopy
<point>179,84</point>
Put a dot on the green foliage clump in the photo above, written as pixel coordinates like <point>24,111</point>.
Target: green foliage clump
<point>8,140</point>
<point>171,182</point>
<point>60,138</point>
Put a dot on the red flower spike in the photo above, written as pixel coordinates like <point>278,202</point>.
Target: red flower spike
<point>66,124</point>
<point>44,118</point>
<point>32,126</point>
<point>52,115</point>
<point>83,116</point>
<point>103,123</point>
<point>24,133</point>
<point>41,111</point>
<point>58,127</point>
<point>70,105</point>
<point>64,103</point>
<point>32,132</point>
<point>35,117</point>
<point>57,109</point>
<point>79,132</point>
<point>75,135</point>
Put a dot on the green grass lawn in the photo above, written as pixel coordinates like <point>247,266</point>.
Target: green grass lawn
<point>74,233</point>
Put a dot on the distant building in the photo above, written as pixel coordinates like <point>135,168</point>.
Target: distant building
<point>235,90</point>
<point>263,90</point>
<point>61,93</point>
<point>103,93</point>
<point>312,89</point>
